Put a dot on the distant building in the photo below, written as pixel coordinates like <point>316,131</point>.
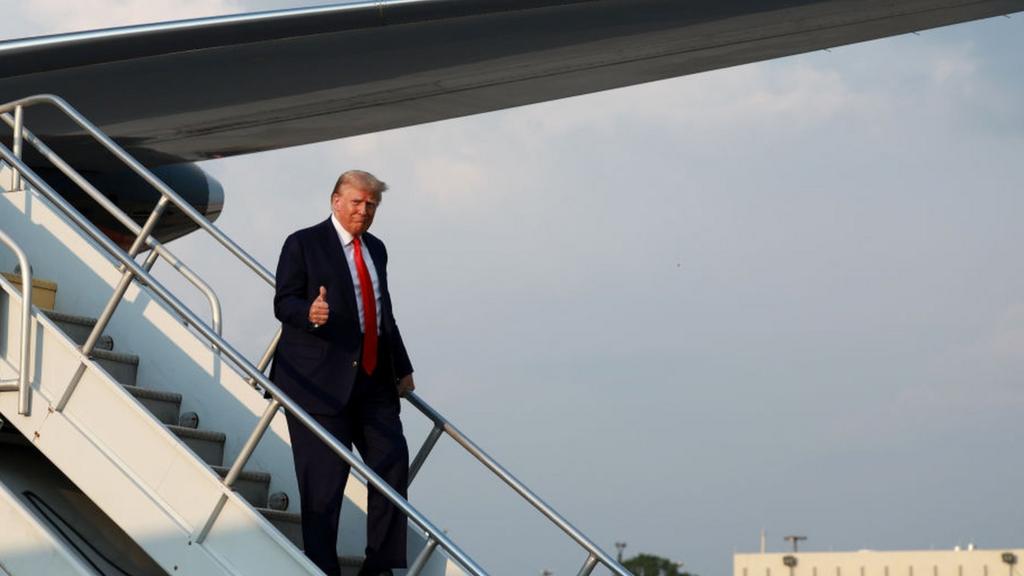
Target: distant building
<point>969,562</point>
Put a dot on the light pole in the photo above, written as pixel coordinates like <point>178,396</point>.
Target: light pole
<point>794,540</point>
<point>1009,558</point>
<point>790,562</point>
<point>620,546</point>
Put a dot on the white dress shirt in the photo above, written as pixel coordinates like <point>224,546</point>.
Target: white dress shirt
<point>350,256</point>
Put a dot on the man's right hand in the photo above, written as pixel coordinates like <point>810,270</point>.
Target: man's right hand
<point>319,310</point>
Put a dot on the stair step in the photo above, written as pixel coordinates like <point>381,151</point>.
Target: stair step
<point>165,406</point>
<point>208,445</point>
<point>79,328</point>
<point>350,561</point>
<point>122,367</point>
<point>350,565</point>
<point>253,486</point>
<point>289,523</point>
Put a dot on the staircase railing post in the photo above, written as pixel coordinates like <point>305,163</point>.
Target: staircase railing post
<point>421,456</point>
<point>24,354</point>
<point>150,260</point>
<point>19,124</point>
<point>26,335</point>
<point>237,467</point>
<point>192,277</point>
<point>252,442</point>
<point>422,558</point>
<point>126,277</point>
<point>268,355</point>
<point>588,566</point>
<point>115,299</point>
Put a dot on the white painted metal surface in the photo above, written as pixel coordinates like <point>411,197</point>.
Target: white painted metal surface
<point>28,548</point>
<point>6,178</point>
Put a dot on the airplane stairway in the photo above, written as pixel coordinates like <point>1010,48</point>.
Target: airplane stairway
<point>162,424</point>
<point>253,486</point>
<point>208,445</point>
<point>133,436</point>
<point>123,446</point>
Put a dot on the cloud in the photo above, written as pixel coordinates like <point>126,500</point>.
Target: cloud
<point>955,67</point>
<point>452,180</point>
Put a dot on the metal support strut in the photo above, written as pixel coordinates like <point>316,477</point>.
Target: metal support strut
<point>421,456</point>
<point>588,566</point>
<point>19,126</point>
<point>422,558</point>
<point>236,468</point>
<point>115,299</point>
<point>26,325</point>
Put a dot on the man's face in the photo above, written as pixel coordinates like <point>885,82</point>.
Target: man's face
<point>354,208</point>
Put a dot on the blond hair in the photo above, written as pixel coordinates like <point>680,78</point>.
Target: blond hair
<point>360,179</point>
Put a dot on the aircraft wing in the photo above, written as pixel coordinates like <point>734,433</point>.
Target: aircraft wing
<point>207,88</point>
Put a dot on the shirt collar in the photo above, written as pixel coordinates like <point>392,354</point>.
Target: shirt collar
<point>344,235</point>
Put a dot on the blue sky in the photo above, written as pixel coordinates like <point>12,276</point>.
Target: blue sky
<point>786,295</point>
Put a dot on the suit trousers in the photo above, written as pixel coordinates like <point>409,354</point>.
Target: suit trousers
<point>370,421</point>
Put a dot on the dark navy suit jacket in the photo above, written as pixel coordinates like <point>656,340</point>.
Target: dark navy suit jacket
<point>317,367</point>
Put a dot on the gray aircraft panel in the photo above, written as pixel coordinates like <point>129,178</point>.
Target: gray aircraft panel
<point>215,87</point>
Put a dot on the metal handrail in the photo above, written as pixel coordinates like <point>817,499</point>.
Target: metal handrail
<point>280,399</point>
<point>146,175</point>
<point>443,424</point>
<point>26,326</point>
<point>22,133</point>
<point>595,554</point>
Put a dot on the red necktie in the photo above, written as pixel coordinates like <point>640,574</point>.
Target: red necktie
<point>369,310</point>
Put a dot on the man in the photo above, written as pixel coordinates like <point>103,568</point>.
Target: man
<point>342,359</point>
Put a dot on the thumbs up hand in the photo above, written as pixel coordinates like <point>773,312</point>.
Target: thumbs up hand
<point>319,310</point>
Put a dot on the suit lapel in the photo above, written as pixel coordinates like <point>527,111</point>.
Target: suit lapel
<point>339,268</point>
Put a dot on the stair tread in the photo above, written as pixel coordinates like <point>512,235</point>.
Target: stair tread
<point>154,394</point>
<point>197,434</point>
<point>79,327</point>
<point>250,475</point>
<point>350,561</point>
<point>115,356</point>
<point>292,517</point>
<point>70,318</point>
<point>280,515</point>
